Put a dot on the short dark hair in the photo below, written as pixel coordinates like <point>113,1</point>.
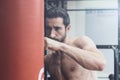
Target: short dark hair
<point>58,12</point>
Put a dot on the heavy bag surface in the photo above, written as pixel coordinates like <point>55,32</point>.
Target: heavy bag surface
<point>21,39</point>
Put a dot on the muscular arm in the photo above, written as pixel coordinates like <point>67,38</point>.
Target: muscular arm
<point>85,53</point>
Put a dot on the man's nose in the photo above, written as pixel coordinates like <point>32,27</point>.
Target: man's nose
<point>52,34</point>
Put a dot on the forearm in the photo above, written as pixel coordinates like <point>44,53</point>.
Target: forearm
<point>87,59</point>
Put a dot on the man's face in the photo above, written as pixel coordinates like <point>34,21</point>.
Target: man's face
<point>55,29</point>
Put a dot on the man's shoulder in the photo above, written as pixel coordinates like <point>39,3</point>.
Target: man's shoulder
<point>75,41</point>
<point>81,41</point>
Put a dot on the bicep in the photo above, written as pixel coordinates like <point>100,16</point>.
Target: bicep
<point>89,45</point>
<point>86,43</point>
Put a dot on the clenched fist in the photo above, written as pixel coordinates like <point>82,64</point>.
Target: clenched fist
<point>52,44</point>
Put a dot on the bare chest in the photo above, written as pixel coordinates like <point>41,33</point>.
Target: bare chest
<point>64,65</point>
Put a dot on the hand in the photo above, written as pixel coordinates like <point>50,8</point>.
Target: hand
<point>51,44</point>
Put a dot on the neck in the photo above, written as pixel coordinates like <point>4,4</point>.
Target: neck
<point>66,40</point>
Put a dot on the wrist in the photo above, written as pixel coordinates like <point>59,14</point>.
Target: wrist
<point>62,46</point>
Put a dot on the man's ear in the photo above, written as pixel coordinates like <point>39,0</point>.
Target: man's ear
<point>68,28</point>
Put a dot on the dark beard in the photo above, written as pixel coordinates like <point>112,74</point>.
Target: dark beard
<point>63,38</point>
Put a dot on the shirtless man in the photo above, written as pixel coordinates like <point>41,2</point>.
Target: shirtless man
<point>69,59</point>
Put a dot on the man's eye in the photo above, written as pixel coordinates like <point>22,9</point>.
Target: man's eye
<point>48,29</point>
<point>57,28</point>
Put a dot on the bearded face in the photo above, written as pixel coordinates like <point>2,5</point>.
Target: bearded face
<point>55,29</point>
